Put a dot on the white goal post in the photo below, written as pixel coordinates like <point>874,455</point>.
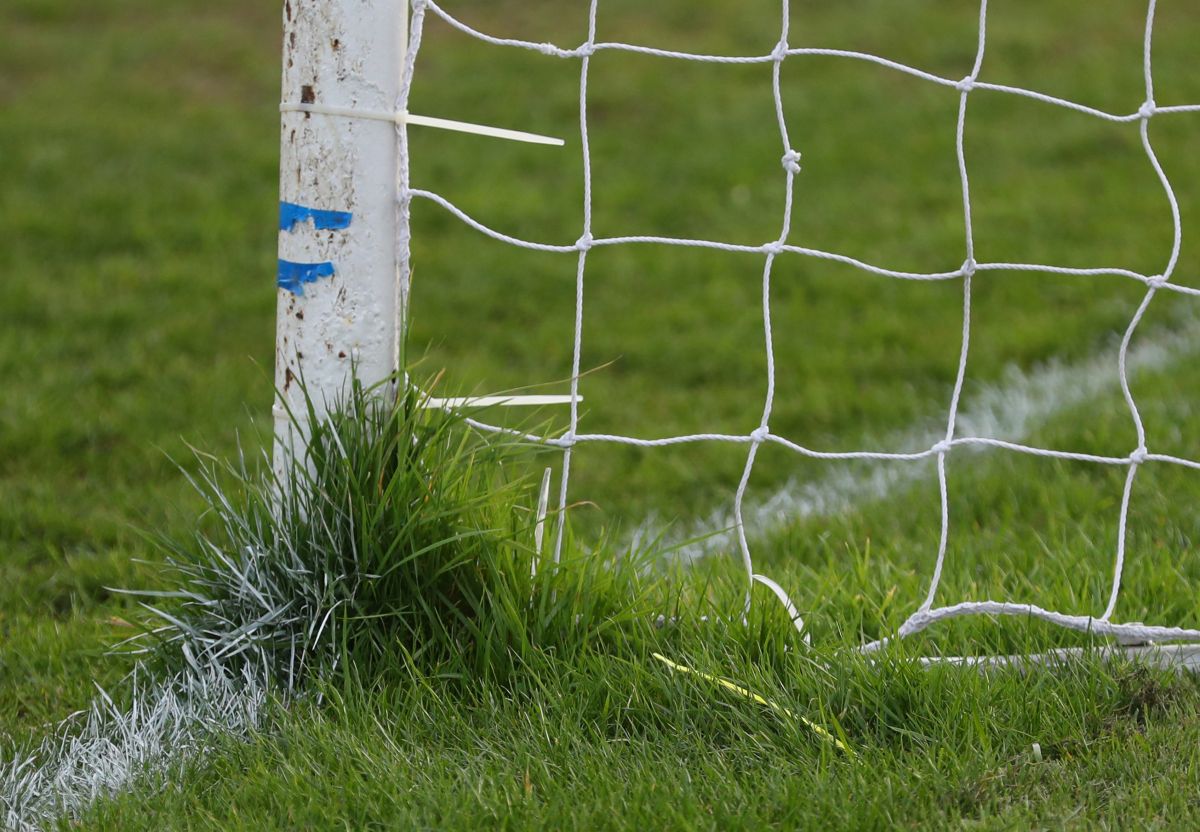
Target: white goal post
<point>340,248</point>
<point>342,272</point>
<point>344,264</point>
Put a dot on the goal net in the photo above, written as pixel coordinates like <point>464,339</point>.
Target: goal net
<point>930,609</point>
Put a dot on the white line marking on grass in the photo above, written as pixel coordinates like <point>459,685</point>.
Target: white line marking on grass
<point>1010,409</point>
<point>104,749</point>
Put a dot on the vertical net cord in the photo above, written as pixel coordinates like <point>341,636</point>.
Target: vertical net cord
<point>791,167</point>
<point>1139,454</point>
<point>410,45</point>
<point>964,87</point>
<point>583,245</point>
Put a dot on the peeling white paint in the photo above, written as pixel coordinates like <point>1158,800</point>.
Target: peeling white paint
<point>346,54</point>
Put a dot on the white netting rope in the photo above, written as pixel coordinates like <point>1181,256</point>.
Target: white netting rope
<point>926,614</point>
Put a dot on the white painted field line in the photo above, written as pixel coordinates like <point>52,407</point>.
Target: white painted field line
<point>1010,409</point>
<point>106,749</point>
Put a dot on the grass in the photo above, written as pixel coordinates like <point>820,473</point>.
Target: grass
<point>440,646</point>
<point>138,162</point>
<point>678,756</point>
<point>400,536</point>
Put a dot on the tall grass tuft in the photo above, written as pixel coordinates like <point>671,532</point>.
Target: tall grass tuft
<point>401,535</point>
<point>401,543</point>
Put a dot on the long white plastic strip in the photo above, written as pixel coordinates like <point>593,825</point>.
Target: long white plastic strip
<point>499,401</point>
<point>403,117</point>
<point>539,529</point>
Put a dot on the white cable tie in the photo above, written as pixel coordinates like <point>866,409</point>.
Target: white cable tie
<point>782,595</point>
<point>497,401</point>
<point>404,117</point>
<point>539,528</point>
<point>482,130</point>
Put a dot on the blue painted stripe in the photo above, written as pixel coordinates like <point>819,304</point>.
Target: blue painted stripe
<point>293,276</point>
<point>290,214</point>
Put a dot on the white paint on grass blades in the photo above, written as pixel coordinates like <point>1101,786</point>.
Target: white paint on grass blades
<point>1011,410</point>
<point>105,749</point>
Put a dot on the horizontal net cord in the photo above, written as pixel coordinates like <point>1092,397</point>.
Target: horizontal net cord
<point>944,447</point>
<point>926,613</point>
<point>683,242</point>
<point>486,230</point>
<point>1156,281</point>
<point>1173,460</point>
<point>1145,110</point>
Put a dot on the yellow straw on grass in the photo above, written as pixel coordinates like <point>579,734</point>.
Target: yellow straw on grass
<point>819,730</point>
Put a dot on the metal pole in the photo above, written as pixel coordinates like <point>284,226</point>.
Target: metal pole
<point>338,270</point>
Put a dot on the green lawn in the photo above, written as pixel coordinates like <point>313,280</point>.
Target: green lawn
<point>138,167</point>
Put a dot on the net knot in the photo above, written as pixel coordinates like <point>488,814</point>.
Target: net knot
<point>1147,109</point>
<point>1139,456</point>
<point>791,161</point>
<point>780,51</point>
<point>585,50</point>
<point>966,84</point>
<point>968,267</point>
<point>942,447</point>
<point>760,434</point>
<point>773,248</point>
<point>1156,281</point>
<point>567,440</point>
<point>916,622</point>
<point>585,242</point>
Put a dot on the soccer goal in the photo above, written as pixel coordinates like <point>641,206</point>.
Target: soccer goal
<point>345,268</point>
